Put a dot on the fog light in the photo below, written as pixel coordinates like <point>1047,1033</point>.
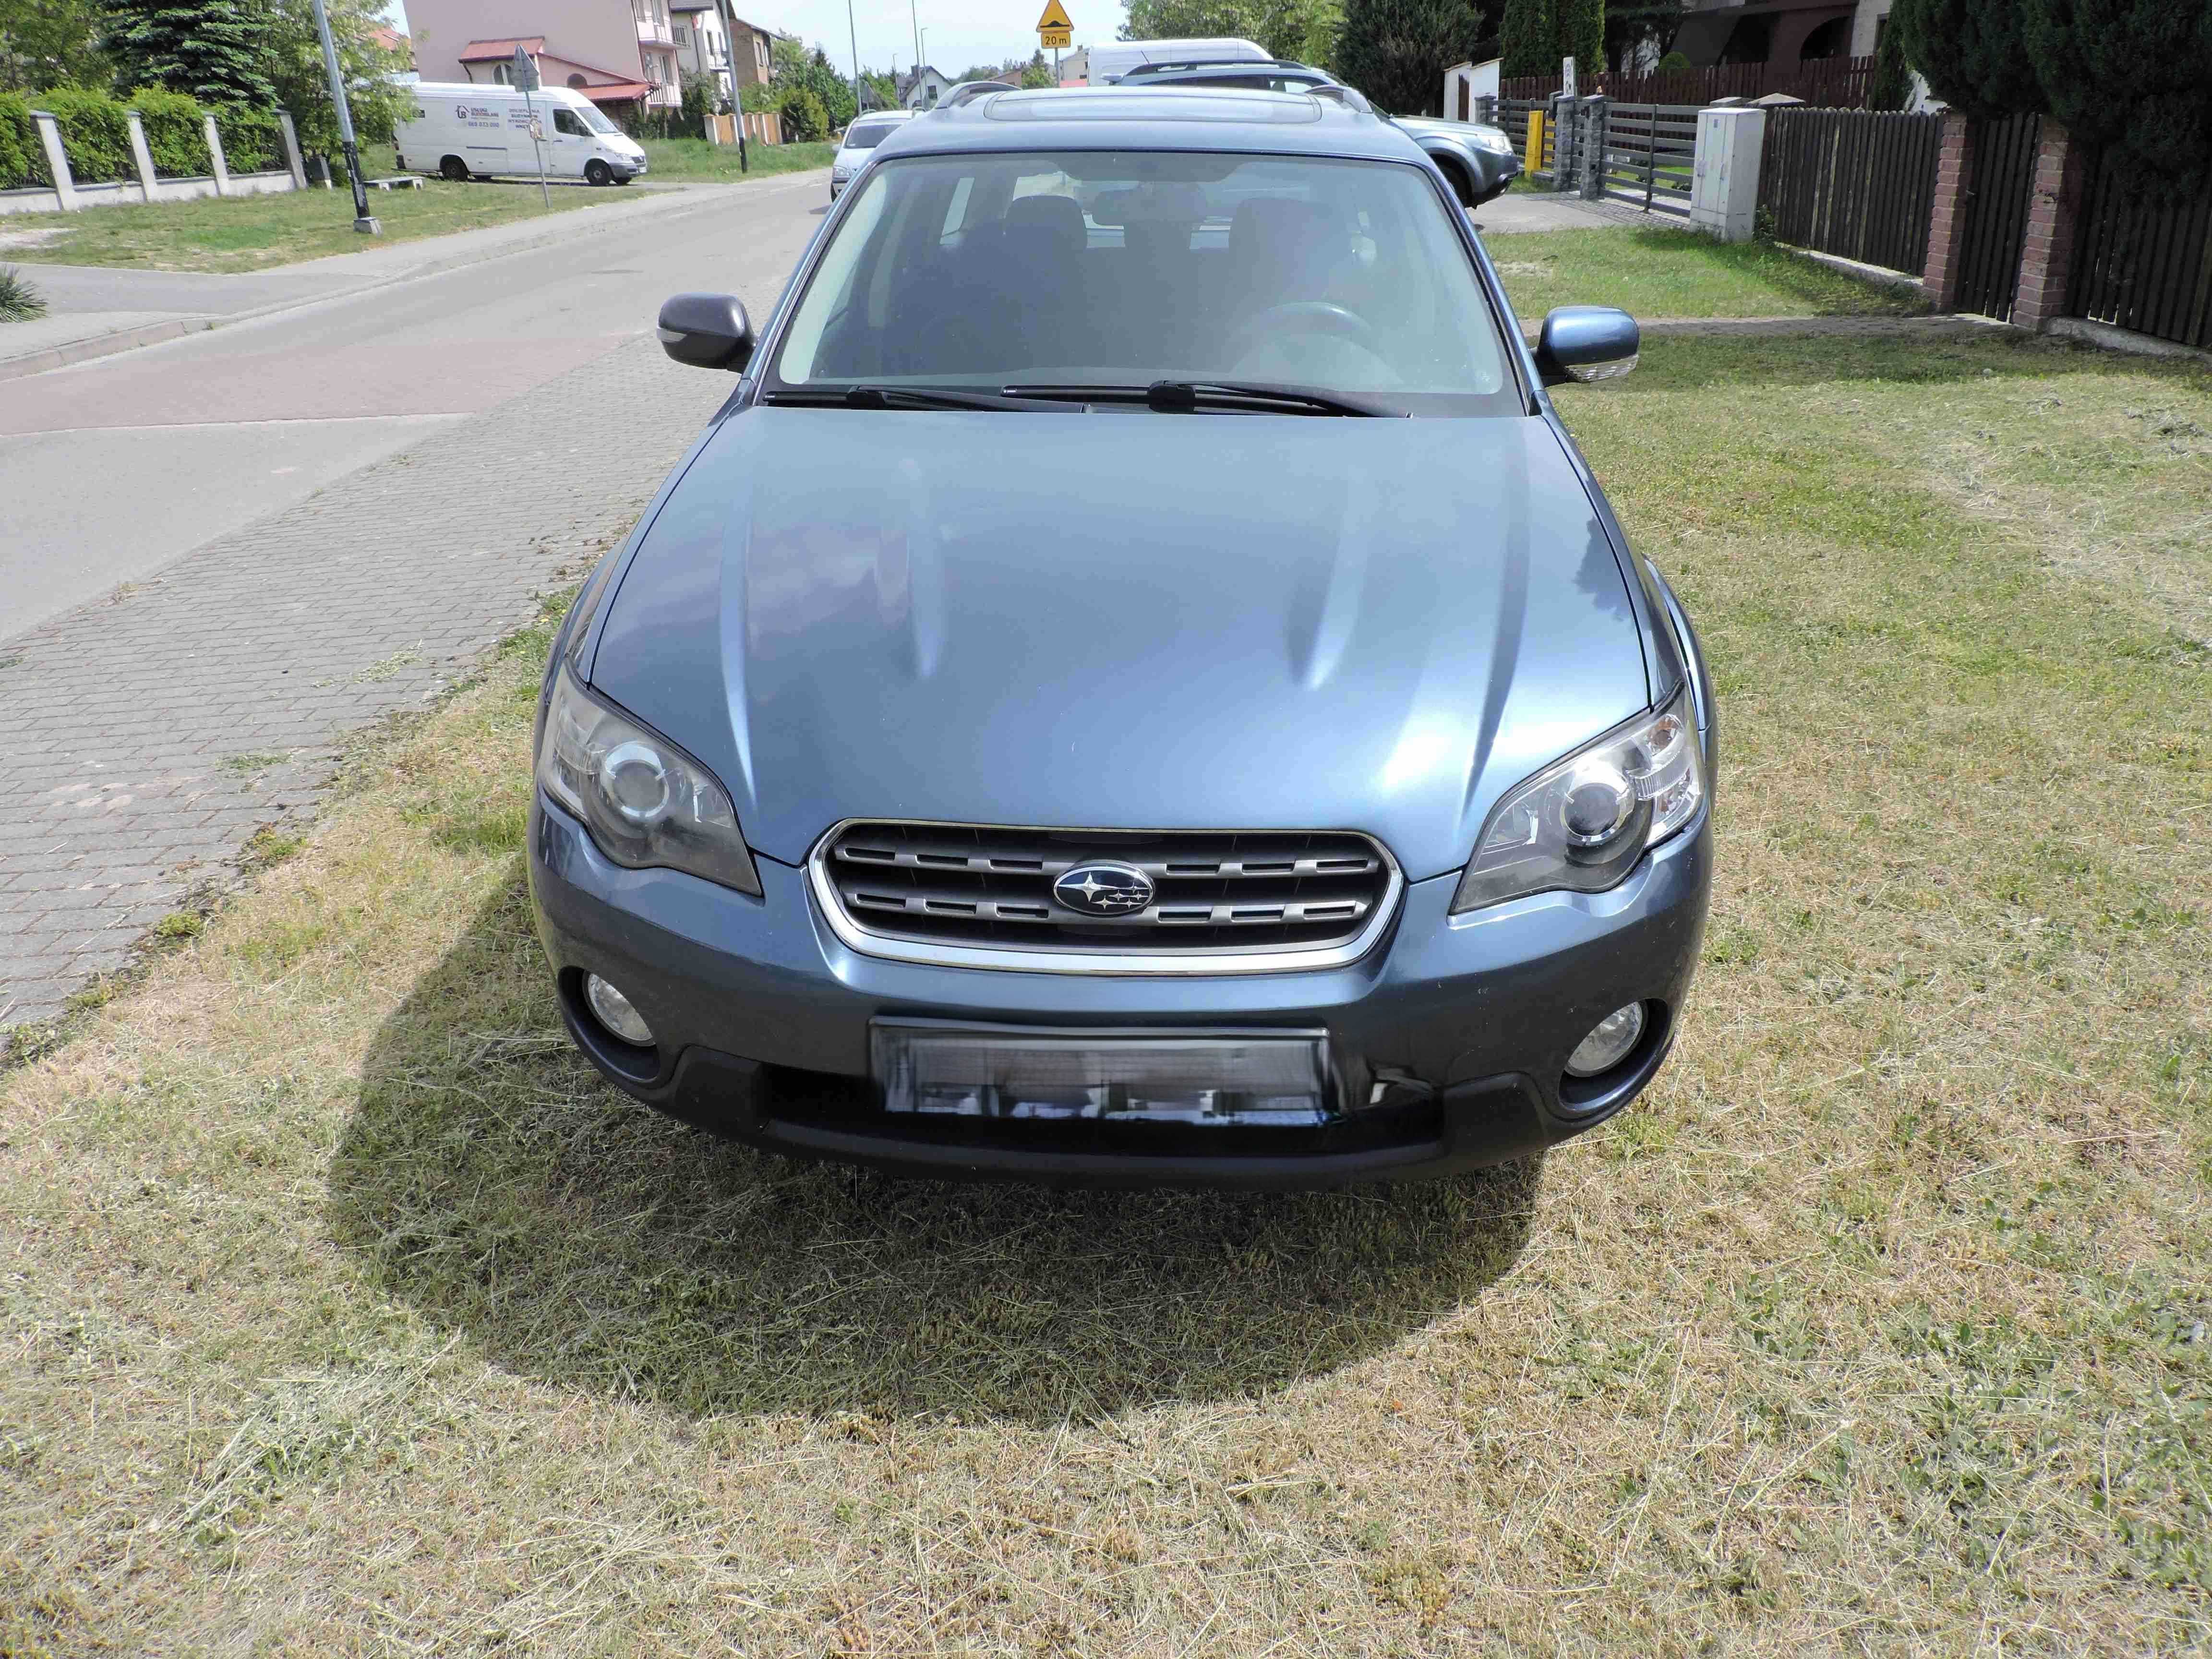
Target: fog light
<point>1607,1044</point>
<point>615,1012</point>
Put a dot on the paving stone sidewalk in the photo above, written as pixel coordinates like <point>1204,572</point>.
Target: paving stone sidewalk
<point>153,733</point>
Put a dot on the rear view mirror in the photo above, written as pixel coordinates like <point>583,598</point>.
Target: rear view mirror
<point>707,331</point>
<point>1587,342</point>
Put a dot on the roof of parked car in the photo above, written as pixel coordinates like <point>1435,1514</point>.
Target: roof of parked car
<point>1170,118</point>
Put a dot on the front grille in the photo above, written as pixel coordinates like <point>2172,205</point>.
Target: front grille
<point>1245,891</point>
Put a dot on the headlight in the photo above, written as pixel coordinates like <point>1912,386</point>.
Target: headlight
<point>1495,142</point>
<point>647,803</point>
<point>1581,824</point>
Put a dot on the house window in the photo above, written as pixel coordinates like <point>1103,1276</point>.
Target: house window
<point>682,35</point>
<point>577,81</point>
<point>503,74</point>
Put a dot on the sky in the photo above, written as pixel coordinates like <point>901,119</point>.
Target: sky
<point>958,32</point>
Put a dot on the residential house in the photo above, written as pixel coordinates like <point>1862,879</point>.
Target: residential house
<point>702,48</point>
<point>618,53</point>
<point>1778,32</point>
<point>922,88</point>
<point>1075,67</point>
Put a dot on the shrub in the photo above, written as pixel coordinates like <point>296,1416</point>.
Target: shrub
<point>95,136</point>
<point>22,158</point>
<point>250,139</point>
<point>804,120</point>
<point>19,301</point>
<point>1674,62</point>
<point>175,133</point>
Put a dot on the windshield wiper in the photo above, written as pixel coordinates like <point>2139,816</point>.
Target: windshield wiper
<point>889,397</point>
<point>1184,396</point>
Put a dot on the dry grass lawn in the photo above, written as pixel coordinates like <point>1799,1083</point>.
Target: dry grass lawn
<point>346,1312</point>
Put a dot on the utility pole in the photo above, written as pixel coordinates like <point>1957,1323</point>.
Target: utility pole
<point>362,221</point>
<point>736,93</point>
<point>913,11</point>
<point>859,103</point>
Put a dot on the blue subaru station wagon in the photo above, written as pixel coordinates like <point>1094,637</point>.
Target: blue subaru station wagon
<point>1135,685</point>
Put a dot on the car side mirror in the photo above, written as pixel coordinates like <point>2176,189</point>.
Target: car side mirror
<point>707,331</point>
<point>1587,342</point>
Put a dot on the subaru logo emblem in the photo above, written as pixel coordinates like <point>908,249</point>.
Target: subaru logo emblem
<point>1104,889</point>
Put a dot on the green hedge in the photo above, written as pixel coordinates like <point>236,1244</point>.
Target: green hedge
<point>251,143</point>
<point>95,136</point>
<point>176,137</point>
<point>22,158</point>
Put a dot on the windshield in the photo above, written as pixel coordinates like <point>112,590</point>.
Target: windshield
<point>590,116</point>
<point>1124,268</point>
<point>859,137</point>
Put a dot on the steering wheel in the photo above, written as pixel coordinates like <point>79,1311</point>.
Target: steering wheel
<point>1307,316</point>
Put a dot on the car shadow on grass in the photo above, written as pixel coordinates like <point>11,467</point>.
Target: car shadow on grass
<point>491,1179</point>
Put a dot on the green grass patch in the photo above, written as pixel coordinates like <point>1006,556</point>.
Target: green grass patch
<point>1880,1324</point>
<point>1660,272</point>
<point>697,159</point>
<point>253,232</point>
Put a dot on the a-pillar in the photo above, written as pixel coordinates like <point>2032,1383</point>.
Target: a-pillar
<point>2046,254</point>
<point>1946,218</point>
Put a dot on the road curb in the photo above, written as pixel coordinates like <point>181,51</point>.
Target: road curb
<point>127,339</point>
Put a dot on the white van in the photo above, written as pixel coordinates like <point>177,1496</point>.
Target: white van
<point>462,131</point>
<point>1109,61</point>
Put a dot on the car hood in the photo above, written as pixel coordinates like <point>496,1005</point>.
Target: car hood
<point>1125,620</point>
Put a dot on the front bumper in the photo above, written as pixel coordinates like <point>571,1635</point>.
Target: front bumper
<point>1449,1036</point>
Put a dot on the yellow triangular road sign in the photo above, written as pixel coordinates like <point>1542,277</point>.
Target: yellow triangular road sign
<point>1055,16</point>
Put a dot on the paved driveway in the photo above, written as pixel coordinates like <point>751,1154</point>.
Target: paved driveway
<point>512,418</point>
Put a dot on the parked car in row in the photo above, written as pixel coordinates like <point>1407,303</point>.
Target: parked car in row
<point>1478,161</point>
<point>864,133</point>
<point>1136,684</point>
<point>460,132</point>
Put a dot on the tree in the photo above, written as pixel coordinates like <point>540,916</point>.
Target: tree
<point>1890,86</point>
<point>1037,73</point>
<point>50,43</point>
<point>1972,52</point>
<point>1581,25</point>
<point>1287,28</point>
<point>2133,76</point>
<point>210,49</point>
<point>293,61</point>
<point>1396,51</point>
<point>1526,34</point>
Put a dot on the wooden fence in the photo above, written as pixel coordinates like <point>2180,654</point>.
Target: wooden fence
<point>1996,213</point>
<point>2142,263</point>
<point>1649,150</point>
<point>1825,82</point>
<point>1851,182</point>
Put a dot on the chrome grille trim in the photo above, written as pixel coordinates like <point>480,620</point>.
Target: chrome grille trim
<point>1363,883</point>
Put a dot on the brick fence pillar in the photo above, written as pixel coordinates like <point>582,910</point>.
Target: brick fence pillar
<point>2046,255</point>
<point>1946,219</point>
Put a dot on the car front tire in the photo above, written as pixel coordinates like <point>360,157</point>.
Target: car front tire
<point>597,172</point>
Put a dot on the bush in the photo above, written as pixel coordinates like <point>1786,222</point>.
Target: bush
<point>250,139</point>
<point>22,158</point>
<point>95,136</point>
<point>1673,63</point>
<point>804,120</point>
<point>175,134</point>
<point>19,301</point>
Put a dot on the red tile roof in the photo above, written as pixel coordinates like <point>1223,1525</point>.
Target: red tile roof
<point>486,52</point>
<point>616,91</point>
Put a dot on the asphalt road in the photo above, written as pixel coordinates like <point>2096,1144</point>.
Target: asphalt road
<point>114,469</point>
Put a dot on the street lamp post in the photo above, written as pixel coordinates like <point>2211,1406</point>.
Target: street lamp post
<point>859,103</point>
<point>362,221</point>
<point>913,11</point>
